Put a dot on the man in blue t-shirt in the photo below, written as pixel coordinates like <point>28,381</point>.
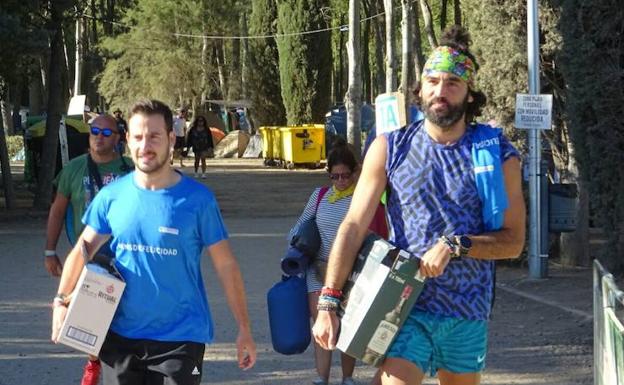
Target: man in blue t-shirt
<point>161,222</point>
<point>450,210</point>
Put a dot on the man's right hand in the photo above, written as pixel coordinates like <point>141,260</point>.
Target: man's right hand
<point>53,265</point>
<point>325,330</point>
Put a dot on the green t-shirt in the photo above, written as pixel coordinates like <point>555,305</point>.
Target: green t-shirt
<point>73,182</point>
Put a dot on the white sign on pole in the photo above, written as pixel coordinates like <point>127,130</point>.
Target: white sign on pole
<point>77,105</point>
<point>389,112</point>
<point>533,111</point>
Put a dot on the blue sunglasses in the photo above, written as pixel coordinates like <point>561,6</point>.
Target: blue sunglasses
<point>106,132</point>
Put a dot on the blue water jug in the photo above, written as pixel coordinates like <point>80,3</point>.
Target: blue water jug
<point>289,315</point>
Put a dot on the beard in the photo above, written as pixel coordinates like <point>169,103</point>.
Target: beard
<point>446,118</point>
<point>156,164</point>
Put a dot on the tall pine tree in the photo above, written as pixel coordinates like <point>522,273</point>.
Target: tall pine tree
<point>305,60</point>
<point>264,81</point>
<point>592,62</point>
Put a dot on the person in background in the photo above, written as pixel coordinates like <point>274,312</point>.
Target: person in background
<point>454,202</point>
<point>163,320</point>
<point>179,128</point>
<point>122,127</point>
<point>329,206</point>
<point>76,186</point>
<point>200,140</point>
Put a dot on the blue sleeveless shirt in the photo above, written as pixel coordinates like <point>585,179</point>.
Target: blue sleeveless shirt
<point>432,192</point>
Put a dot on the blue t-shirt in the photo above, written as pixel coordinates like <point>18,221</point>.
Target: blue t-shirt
<point>432,192</point>
<point>158,238</point>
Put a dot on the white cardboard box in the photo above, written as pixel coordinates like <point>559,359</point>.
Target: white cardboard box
<point>382,288</point>
<point>92,308</point>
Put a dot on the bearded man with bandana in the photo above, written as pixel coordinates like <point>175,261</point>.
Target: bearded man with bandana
<point>454,202</point>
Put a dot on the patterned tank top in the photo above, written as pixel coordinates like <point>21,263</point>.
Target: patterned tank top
<point>432,192</point>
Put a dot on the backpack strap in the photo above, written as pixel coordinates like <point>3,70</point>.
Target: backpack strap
<point>94,173</point>
<point>322,191</point>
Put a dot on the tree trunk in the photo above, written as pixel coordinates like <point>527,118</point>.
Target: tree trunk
<point>443,14</point>
<point>575,245</point>
<point>366,73</point>
<point>35,93</point>
<point>426,11</point>
<point>457,12</point>
<point>234,75</point>
<point>204,55</point>
<point>406,51</point>
<point>220,58</point>
<point>7,122</point>
<point>340,93</point>
<point>391,75</point>
<point>419,60</point>
<point>380,78</point>
<point>244,52</point>
<point>78,58</point>
<point>43,195</point>
<point>354,94</point>
<point>43,68</point>
<point>67,69</point>
<point>5,166</point>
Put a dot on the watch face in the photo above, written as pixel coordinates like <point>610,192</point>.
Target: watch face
<point>465,242</point>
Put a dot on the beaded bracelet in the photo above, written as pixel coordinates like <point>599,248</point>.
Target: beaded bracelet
<point>325,298</point>
<point>327,307</point>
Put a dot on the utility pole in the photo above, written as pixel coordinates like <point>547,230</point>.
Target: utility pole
<point>537,261</point>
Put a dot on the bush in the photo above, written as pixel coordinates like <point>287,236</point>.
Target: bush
<point>15,143</point>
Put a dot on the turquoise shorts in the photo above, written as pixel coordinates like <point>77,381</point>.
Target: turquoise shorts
<point>434,342</point>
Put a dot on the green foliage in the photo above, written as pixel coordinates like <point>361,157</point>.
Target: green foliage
<point>592,61</point>
<point>264,82</point>
<point>150,60</point>
<point>498,30</point>
<point>305,60</point>
<point>15,143</point>
<point>21,36</point>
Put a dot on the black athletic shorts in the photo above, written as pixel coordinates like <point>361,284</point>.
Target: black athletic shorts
<point>128,361</point>
<point>179,143</point>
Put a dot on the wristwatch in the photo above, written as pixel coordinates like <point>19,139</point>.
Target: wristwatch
<point>464,244</point>
<point>60,300</point>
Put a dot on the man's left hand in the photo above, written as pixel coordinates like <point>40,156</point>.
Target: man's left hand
<point>434,261</point>
<point>246,349</point>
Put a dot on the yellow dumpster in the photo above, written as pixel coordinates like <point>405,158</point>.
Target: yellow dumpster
<point>277,144</point>
<point>303,145</point>
<point>267,142</point>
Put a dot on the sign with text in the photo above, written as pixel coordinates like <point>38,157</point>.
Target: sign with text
<point>533,111</point>
<point>390,112</point>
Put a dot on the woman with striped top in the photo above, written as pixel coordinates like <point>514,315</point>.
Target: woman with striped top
<point>329,212</point>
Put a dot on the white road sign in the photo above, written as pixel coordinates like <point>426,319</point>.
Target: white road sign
<point>533,111</point>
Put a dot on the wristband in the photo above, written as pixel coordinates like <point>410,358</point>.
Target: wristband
<point>49,253</point>
<point>57,302</point>
<point>451,245</point>
<point>328,291</point>
<point>61,298</point>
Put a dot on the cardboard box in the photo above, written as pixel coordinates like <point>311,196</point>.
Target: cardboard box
<point>92,308</point>
<point>379,296</point>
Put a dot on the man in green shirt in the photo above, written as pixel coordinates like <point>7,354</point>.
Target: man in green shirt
<point>76,185</point>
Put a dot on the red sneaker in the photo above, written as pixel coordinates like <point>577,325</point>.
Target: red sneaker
<point>91,375</point>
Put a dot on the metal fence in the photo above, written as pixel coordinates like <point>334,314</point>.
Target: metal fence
<point>608,329</point>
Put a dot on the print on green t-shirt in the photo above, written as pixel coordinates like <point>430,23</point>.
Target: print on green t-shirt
<point>74,182</point>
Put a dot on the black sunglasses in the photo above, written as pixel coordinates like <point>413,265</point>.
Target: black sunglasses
<point>106,132</point>
<point>338,175</point>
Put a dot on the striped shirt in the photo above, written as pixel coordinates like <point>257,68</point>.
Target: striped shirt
<point>328,218</point>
